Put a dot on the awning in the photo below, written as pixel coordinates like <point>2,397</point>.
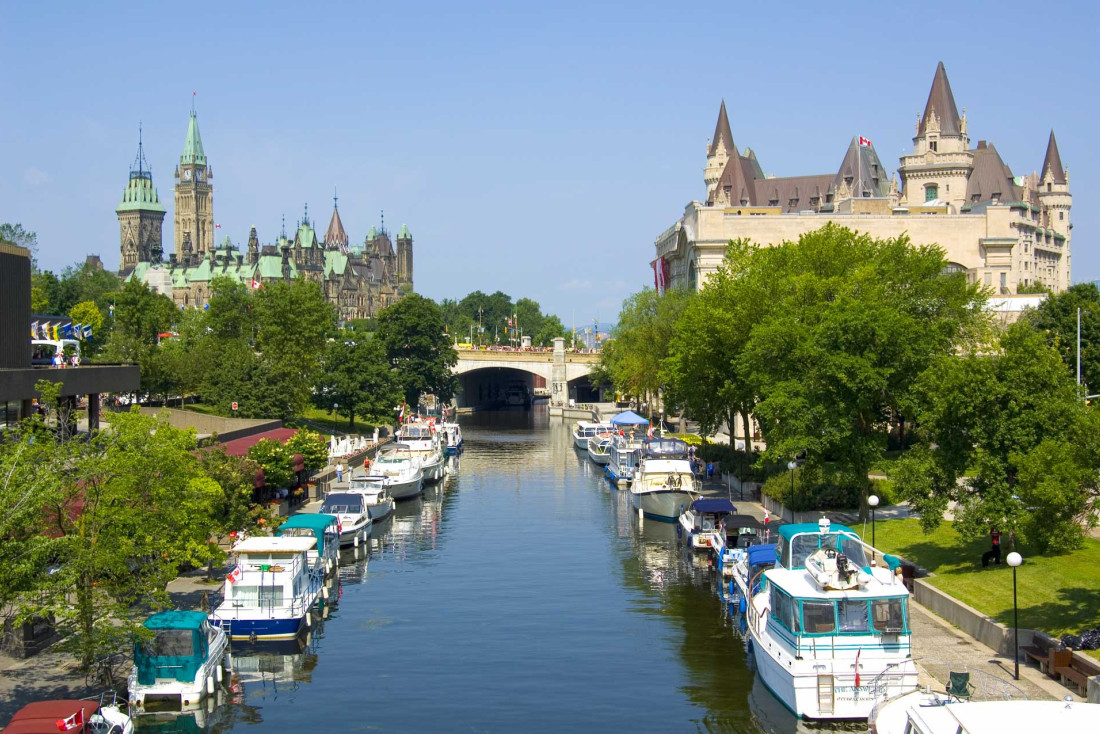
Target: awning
<point>240,446</point>
<point>713,505</point>
<point>629,418</point>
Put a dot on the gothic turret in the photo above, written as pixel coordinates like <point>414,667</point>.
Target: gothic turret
<point>194,192</point>
<point>719,150</point>
<point>335,237</point>
<point>140,216</point>
<point>1054,194</point>
<point>404,257</point>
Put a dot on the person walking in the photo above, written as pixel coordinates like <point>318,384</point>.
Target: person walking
<point>339,472</point>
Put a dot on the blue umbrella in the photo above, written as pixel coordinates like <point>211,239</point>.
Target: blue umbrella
<point>629,418</point>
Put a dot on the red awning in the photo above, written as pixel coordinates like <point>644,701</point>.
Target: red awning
<point>240,446</point>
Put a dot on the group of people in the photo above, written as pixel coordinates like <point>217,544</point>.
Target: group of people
<point>59,360</point>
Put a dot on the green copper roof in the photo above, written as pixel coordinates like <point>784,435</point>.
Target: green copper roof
<point>404,233</point>
<point>192,149</point>
<point>306,237</point>
<point>336,263</point>
<point>271,266</point>
<point>372,234</point>
<point>138,273</point>
<point>140,195</point>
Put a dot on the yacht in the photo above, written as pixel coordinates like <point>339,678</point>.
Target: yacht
<point>376,497</point>
<point>422,441</point>
<point>582,431</point>
<point>452,439</point>
<point>825,622</point>
<point>183,661</point>
<point>702,522</point>
<point>351,509</point>
<point>400,472</point>
<point>599,448</point>
<point>269,593</point>
<point>325,555</point>
<point>664,484</point>
<point>625,454</point>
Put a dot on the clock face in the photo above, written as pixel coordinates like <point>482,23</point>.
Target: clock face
<point>187,174</point>
<point>200,175</point>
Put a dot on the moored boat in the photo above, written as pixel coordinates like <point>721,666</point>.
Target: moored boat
<point>325,555</point>
<point>664,484</point>
<point>400,472</point>
<point>103,716</point>
<point>822,630</point>
<point>421,441</point>
<point>584,430</point>
<point>181,663</point>
<point>599,448</point>
<point>625,455</point>
<point>452,439</point>
<point>375,496</point>
<point>703,520</point>
<point>351,509</point>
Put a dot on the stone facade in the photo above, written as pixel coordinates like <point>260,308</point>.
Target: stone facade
<point>1004,231</point>
<point>140,217</point>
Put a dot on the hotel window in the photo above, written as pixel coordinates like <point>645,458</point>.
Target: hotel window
<point>931,192</point>
<point>1004,279</point>
<point>932,145</point>
<point>1061,216</point>
<point>814,200</point>
<point>773,202</point>
<point>989,278</point>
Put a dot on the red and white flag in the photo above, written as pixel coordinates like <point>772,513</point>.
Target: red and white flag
<point>649,433</point>
<point>73,722</point>
<point>864,142</point>
<point>256,285</point>
<point>857,666</point>
<point>217,226</point>
<point>235,575</point>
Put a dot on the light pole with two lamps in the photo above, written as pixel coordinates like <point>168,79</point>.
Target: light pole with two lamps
<point>872,502</point>
<point>1015,559</point>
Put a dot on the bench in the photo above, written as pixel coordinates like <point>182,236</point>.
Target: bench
<point>1040,651</point>
<point>1078,669</point>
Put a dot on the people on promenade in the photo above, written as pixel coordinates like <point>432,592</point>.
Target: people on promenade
<point>994,553</point>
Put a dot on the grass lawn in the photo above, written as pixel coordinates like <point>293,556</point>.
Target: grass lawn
<point>200,408</point>
<point>1057,594</point>
<point>320,418</point>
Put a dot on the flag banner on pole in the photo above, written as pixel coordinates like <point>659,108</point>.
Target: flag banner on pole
<point>235,575</point>
<point>76,721</point>
<point>864,142</point>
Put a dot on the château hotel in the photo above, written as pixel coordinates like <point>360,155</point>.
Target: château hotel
<point>1004,231</point>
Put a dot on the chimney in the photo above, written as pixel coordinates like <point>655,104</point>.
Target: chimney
<point>981,145</point>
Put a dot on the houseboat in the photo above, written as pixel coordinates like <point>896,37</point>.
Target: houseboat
<point>625,455</point>
<point>183,661</point>
<point>664,485</point>
<point>325,555</point>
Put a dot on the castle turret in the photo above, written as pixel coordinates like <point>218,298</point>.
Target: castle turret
<point>1056,202</point>
<point>719,151</point>
<point>404,257</point>
<point>335,237</point>
<point>140,217</point>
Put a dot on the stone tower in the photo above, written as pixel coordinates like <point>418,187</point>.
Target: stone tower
<point>404,257</point>
<point>939,167</point>
<point>336,238</point>
<point>140,217</point>
<point>1054,189</point>
<point>194,194</point>
<point>719,150</point>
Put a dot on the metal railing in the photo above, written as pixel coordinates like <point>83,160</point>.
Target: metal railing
<point>986,687</point>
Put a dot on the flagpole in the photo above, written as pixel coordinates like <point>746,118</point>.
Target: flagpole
<point>859,164</point>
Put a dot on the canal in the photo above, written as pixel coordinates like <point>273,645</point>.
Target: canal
<point>521,596</point>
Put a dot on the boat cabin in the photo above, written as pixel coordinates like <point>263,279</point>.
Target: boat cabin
<point>179,646</point>
<point>708,515</point>
<point>325,529</point>
<point>664,448</point>
<point>798,541</point>
<point>742,531</point>
<point>367,483</point>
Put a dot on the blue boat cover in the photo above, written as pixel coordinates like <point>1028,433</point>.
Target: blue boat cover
<point>713,505</point>
<point>629,418</point>
<point>761,554</point>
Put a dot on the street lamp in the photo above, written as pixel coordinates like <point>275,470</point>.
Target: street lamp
<point>1015,559</point>
<point>334,407</point>
<point>792,465</point>
<point>872,502</point>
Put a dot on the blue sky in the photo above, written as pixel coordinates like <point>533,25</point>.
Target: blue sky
<point>533,149</point>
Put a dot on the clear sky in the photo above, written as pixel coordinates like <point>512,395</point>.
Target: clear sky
<point>535,150</point>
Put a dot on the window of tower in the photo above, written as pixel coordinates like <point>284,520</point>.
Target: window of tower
<point>931,192</point>
<point>932,145</point>
<point>1061,216</point>
<point>1048,186</point>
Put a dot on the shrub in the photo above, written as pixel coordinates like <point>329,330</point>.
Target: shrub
<point>817,488</point>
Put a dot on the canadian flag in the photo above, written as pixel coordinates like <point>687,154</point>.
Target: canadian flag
<point>856,666</point>
<point>73,722</point>
<point>235,575</point>
<point>217,226</point>
<point>256,285</point>
<point>864,142</point>
<point>649,433</point>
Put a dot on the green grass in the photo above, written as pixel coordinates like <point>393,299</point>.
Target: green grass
<point>200,408</point>
<point>321,418</point>
<point>1057,594</point>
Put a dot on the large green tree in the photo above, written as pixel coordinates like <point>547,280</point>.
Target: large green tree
<point>1057,317</point>
<point>359,378</point>
<point>293,323</point>
<point>411,331</point>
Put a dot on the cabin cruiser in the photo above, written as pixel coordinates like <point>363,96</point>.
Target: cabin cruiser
<point>584,430</point>
<point>664,484</point>
<point>825,622</point>
<point>181,662</point>
<point>517,396</point>
<point>400,472</point>
<point>422,441</point>
<point>86,716</point>
<point>702,521</point>
<point>351,509</point>
<point>269,592</point>
<point>376,497</point>
<point>599,448</point>
<point>325,555</point>
<point>452,438</point>
<point>625,454</point>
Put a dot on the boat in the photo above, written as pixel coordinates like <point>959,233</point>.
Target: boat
<point>625,454</point>
<point>702,522</point>
<point>105,715</point>
<point>325,555</point>
<point>822,631</point>
<point>400,472</point>
<point>184,660</point>
<point>584,430</point>
<point>664,484</point>
<point>599,448</point>
<point>452,439</point>
<point>375,496</point>
<point>741,571</point>
<point>421,440</point>
<point>517,395</point>
<point>271,589</point>
<point>351,509</point>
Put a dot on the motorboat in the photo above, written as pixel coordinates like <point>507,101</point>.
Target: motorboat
<point>584,430</point>
<point>741,572</point>
<point>376,496</point>
<point>107,715</point>
<point>400,472</point>
<point>351,509</point>
<point>702,522</point>
<point>819,647</point>
<point>599,448</point>
<point>452,439</point>
<point>270,590</point>
<point>325,555</point>
<point>625,455</point>
<point>183,661</point>
<point>664,485</point>
<point>422,441</point>
<point>517,396</point>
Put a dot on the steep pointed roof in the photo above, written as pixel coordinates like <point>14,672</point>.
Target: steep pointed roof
<point>990,177</point>
<point>1053,162</point>
<point>192,147</point>
<point>942,101</point>
<point>722,132</point>
<point>863,167</point>
<point>335,236</point>
<point>737,181</point>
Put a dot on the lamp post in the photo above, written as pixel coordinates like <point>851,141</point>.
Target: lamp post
<point>791,465</point>
<point>1015,559</point>
<point>872,502</point>
<point>334,407</point>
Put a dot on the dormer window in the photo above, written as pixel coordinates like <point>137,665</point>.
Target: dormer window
<point>792,203</point>
<point>848,180</point>
<point>814,200</point>
<point>773,202</point>
<point>932,145</point>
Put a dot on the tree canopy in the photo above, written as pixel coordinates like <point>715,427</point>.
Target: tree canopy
<point>411,331</point>
<point>485,319</point>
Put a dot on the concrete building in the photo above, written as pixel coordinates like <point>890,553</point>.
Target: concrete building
<point>1002,230</point>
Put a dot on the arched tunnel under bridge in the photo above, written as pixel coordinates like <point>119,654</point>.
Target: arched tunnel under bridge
<point>498,387</point>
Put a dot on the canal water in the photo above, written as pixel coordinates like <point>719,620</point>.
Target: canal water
<point>521,596</point>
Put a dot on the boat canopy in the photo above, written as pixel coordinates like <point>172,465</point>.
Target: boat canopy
<point>665,448</point>
<point>629,418</point>
<point>316,523</point>
<point>176,650</point>
<point>761,554</point>
<point>346,502</point>
<point>742,522</point>
<point>714,506</point>
<point>798,540</point>
<point>41,717</point>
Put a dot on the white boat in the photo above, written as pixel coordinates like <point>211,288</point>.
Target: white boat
<point>325,555</point>
<point>351,509</point>
<point>181,663</point>
<point>584,430</point>
<point>517,395</point>
<point>664,484</point>
<point>821,636</point>
<point>452,438</point>
<point>269,594</point>
<point>623,461</point>
<point>422,441</point>
<point>375,496</point>
<point>599,448</point>
<point>702,522</point>
<point>401,472</point>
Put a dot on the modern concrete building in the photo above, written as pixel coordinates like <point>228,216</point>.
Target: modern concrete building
<point>1002,230</point>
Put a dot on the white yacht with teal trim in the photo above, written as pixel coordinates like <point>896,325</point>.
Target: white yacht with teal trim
<point>825,623</point>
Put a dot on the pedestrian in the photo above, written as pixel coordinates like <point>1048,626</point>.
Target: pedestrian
<point>710,470</point>
<point>339,472</point>
<point>994,553</point>
<point>58,360</point>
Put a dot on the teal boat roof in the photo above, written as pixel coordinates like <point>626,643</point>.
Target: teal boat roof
<point>176,620</point>
<point>316,522</point>
<point>793,529</point>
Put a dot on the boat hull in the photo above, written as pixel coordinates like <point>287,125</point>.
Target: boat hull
<point>601,459</point>
<point>407,489</point>
<point>380,511</point>
<point>357,532</point>
<point>580,442</point>
<point>434,471</point>
<point>663,505</point>
<point>263,629</point>
<point>453,450</point>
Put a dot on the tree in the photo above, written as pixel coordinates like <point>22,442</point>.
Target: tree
<point>274,458</point>
<point>230,312</point>
<point>15,234</point>
<point>293,322</point>
<point>1057,317</point>
<point>87,313</point>
<point>358,377</point>
<point>234,510</point>
<point>312,446</point>
<point>411,331</point>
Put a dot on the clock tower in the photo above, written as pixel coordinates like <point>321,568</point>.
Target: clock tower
<point>194,194</point>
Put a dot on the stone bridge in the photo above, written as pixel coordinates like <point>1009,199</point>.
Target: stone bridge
<point>484,375</point>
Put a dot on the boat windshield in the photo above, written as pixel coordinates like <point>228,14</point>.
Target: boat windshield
<point>420,432</point>
<point>666,448</point>
<point>804,544</point>
<point>170,644</point>
<point>342,503</point>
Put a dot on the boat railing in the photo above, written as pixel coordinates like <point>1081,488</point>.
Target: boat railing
<point>888,685</point>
